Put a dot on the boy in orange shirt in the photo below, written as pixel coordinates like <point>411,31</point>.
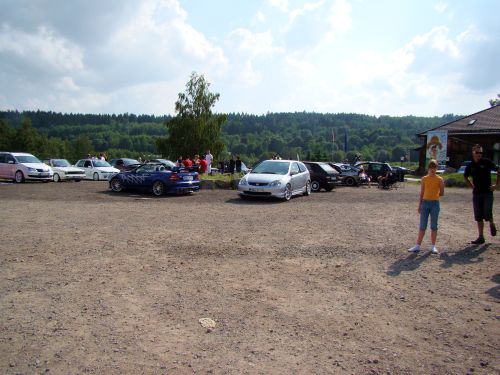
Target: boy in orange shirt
<point>432,188</point>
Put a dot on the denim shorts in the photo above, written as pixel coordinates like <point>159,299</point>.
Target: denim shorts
<point>483,206</point>
<point>429,208</point>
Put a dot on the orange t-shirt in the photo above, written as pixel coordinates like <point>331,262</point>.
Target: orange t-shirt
<point>432,187</point>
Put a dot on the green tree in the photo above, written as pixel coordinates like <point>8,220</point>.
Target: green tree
<point>5,135</point>
<point>26,138</point>
<point>495,102</point>
<point>194,128</point>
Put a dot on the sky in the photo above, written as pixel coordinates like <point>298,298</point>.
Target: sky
<point>375,57</point>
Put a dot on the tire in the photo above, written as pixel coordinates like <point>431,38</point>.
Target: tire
<point>19,177</point>
<point>158,188</point>
<point>57,178</point>
<point>308,189</point>
<point>315,186</point>
<point>116,185</point>
<point>287,193</point>
<point>96,176</point>
<point>350,181</point>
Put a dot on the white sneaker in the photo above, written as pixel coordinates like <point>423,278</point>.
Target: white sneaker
<point>414,249</point>
<point>434,250</point>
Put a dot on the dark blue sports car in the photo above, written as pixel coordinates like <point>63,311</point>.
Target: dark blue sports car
<point>156,178</point>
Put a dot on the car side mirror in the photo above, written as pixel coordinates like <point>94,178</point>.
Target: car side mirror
<point>11,162</point>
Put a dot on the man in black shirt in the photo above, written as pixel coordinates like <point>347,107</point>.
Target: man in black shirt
<point>482,190</point>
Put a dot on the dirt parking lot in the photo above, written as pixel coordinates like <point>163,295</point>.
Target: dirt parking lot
<point>100,283</point>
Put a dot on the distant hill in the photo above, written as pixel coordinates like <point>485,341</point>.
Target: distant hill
<point>314,136</point>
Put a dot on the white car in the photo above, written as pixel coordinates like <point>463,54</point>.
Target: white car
<point>97,170</point>
<point>63,170</point>
<point>276,178</point>
<point>21,166</point>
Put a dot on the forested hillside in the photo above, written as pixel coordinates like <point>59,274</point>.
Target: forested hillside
<point>313,136</point>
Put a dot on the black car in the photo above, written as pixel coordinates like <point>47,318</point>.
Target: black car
<point>124,164</point>
<point>375,169</point>
<point>323,176</point>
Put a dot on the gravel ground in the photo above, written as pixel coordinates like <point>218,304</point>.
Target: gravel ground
<point>99,283</point>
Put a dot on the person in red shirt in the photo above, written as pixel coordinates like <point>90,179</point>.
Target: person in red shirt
<point>187,162</point>
<point>203,166</point>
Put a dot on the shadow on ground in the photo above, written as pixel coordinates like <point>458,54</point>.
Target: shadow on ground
<point>469,255</point>
<point>410,263</point>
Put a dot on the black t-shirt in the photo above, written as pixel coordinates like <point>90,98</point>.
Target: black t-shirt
<point>481,174</point>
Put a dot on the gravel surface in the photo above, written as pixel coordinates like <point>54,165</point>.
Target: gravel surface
<point>103,283</point>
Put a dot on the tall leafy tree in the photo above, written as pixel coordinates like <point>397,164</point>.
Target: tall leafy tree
<point>495,102</point>
<point>195,128</point>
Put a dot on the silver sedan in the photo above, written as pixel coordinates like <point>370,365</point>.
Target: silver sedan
<point>276,178</point>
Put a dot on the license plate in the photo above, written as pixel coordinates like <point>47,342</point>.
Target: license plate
<point>44,175</point>
<point>187,178</point>
<point>256,190</point>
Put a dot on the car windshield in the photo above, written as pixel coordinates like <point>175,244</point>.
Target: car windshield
<point>27,159</point>
<point>61,163</point>
<point>130,161</point>
<point>101,163</point>
<point>272,167</point>
<point>167,163</point>
<point>327,168</point>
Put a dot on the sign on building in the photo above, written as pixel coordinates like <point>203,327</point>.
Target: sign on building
<point>437,141</point>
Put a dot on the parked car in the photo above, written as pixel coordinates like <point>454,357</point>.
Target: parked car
<point>348,175</point>
<point>276,178</point>
<point>21,166</point>
<point>123,164</point>
<point>441,169</point>
<point>63,170</point>
<point>96,169</point>
<point>323,175</point>
<point>156,178</point>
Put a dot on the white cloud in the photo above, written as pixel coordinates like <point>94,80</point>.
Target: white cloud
<point>43,48</point>
<point>441,7</point>
<point>280,4</point>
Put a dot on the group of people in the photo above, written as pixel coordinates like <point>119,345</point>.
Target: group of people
<point>231,166</point>
<point>204,163</point>
<point>102,156</point>
<point>432,188</point>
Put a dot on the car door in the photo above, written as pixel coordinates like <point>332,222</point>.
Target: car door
<point>7,166</point>
<point>143,177</point>
<point>296,177</point>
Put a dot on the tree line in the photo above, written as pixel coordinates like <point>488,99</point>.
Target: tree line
<point>309,135</point>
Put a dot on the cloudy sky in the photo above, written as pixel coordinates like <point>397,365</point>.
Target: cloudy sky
<point>393,57</point>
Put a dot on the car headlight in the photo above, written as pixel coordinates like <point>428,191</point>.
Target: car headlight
<point>243,181</point>
<point>275,183</point>
<point>31,169</point>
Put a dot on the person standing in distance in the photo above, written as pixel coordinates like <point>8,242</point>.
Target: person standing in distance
<point>482,191</point>
<point>209,158</point>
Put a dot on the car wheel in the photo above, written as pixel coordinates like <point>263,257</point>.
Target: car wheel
<point>349,181</point>
<point>116,185</point>
<point>96,176</point>
<point>315,186</point>
<point>19,177</point>
<point>308,188</point>
<point>288,192</point>
<point>57,178</point>
<point>158,188</point>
